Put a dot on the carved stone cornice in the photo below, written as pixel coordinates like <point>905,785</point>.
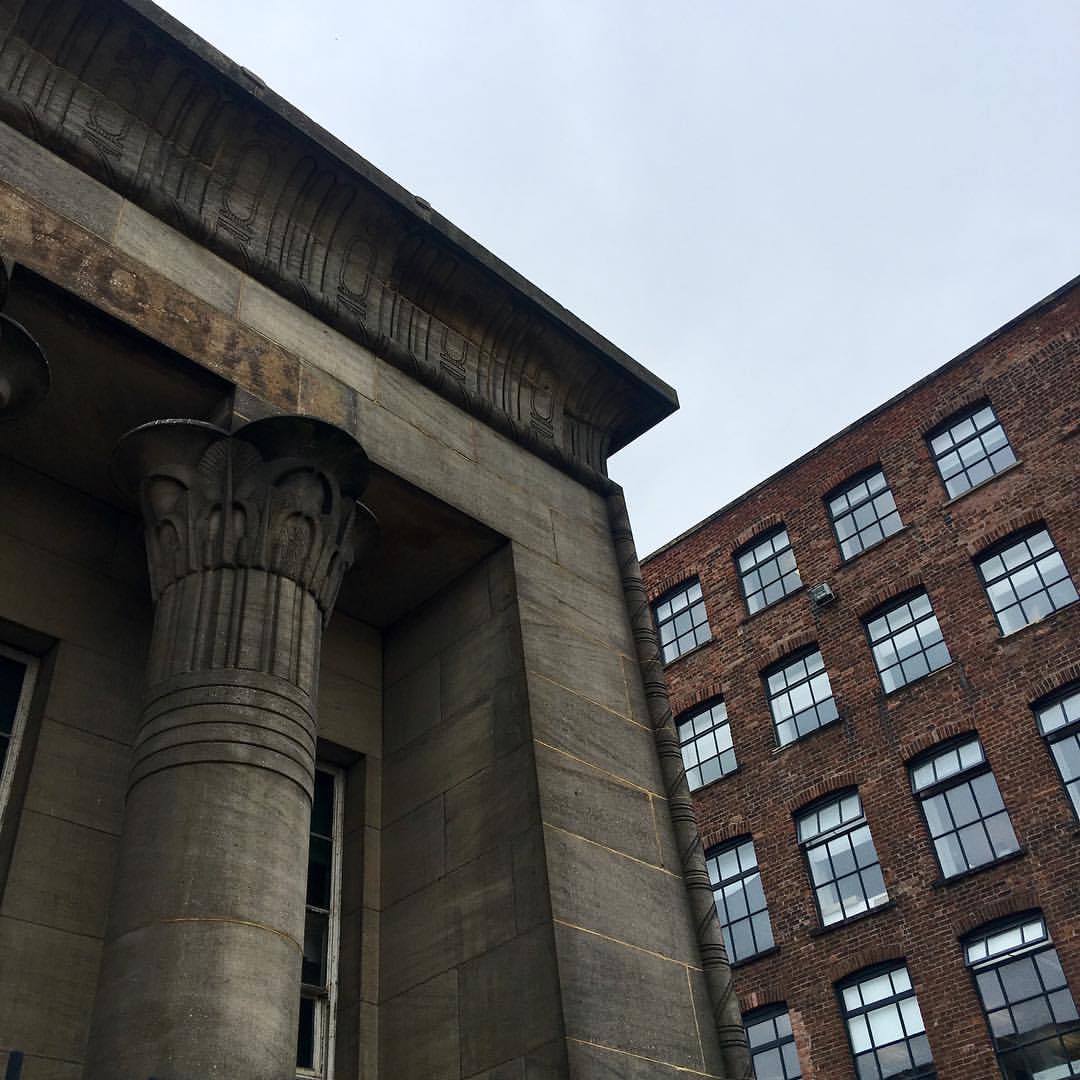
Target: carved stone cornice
<point>125,93</point>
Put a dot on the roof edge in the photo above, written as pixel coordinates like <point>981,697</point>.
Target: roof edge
<point>1039,305</point>
<point>247,82</point>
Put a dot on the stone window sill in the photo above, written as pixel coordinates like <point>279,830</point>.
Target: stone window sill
<point>819,931</point>
<point>967,875</point>
<point>978,487</point>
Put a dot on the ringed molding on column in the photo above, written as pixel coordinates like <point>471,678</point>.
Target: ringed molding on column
<point>130,96</point>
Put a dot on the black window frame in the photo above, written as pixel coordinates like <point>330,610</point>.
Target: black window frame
<point>1068,732</point>
<point>718,883</point>
<point>844,491</point>
<point>317,1018</point>
<point>667,597</point>
<point>689,718</point>
<point>824,838</point>
<point>947,426</point>
<point>766,1014</point>
<point>770,696</point>
<point>997,551</point>
<point>905,600</point>
<point>16,712</point>
<point>1027,948</point>
<point>964,775</point>
<point>782,575</point>
<point>927,1071</point>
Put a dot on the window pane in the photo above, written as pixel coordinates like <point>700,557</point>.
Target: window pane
<point>305,1039</point>
<point>968,451</point>
<point>740,899</point>
<point>885,1025</point>
<point>767,572</point>
<point>316,928</point>
<point>907,641</point>
<point>1030,569</point>
<point>11,680</point>
<point>681,622</point>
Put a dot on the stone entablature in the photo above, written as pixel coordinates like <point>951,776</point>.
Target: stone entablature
<point>137,101</point>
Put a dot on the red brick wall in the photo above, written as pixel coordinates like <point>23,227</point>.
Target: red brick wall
<point>1030,373</point>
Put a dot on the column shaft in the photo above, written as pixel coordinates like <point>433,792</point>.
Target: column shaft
<point>247,539</point>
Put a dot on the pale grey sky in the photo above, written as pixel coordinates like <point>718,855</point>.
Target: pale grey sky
<point>789,211</point>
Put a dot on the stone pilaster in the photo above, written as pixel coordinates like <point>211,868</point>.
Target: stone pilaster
<point>735,1054</point>
<point>248,537</point>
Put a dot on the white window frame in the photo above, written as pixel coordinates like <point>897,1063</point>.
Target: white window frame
<point>326,1007</point>
<point>18,728</point>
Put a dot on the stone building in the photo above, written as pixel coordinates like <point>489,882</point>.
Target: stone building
<point>874,661</point>
<point>296,784</point>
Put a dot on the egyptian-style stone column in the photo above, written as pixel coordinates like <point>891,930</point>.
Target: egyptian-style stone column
<point>248,536</point>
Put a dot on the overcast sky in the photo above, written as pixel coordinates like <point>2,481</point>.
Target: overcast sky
<point>788,211</point>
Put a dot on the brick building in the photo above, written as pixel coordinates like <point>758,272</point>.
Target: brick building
<point>873,661</point>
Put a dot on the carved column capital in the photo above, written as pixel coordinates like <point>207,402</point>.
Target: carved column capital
<point>278,495</point>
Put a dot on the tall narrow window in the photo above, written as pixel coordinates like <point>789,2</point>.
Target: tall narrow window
<point>906,641</point>
<point>970,448</point>
<point>843,862</point>
<point>885,1025</point>
<point>318,991</point>
<point>1028,1006</point>
<point>964,811</point>
<point>740,899</point>
<point>681,621</point>
<point>767,570</point>
<point>863,513</point>
<point>1059,721</point>
<point>1025,579</point>
<point>772,1044</point>
<point>800,696</point>
<point>16,685</point>
<point>705,743</point>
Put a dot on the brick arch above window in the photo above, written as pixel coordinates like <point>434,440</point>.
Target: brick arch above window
<point>1053,681</point>
<point>684,700</point>
<point>829,785</point>
<point>954,404</point>
<point>773,992</point>
<point>788,645</point>
<point>763,524</point>
<point>735,827</point>
<point>894,589</point>
<point>670,582</point>
<point>891,950</point>
<point>912,747</point>
<point>1018,901</point>
<point>989,536</point>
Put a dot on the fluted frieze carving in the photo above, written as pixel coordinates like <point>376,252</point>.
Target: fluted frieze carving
<point>111,92</point>
<point>278,496</point>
